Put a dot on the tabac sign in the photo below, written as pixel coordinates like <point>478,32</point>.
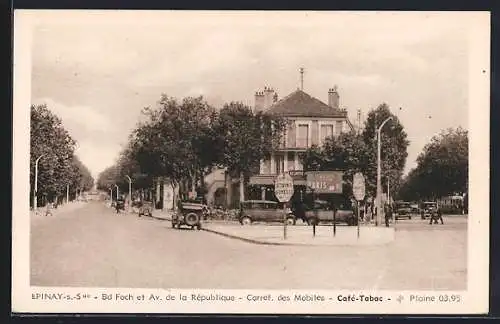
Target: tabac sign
<point>325,181</point>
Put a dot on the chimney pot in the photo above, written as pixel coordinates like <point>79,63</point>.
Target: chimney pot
<point>333,98</point>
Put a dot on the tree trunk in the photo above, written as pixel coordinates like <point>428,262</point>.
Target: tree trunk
<point>242,187</point>
<point>174,198</point>
<point>226,200</point>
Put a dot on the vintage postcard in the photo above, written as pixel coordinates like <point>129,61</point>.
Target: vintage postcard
<point>250,162</point>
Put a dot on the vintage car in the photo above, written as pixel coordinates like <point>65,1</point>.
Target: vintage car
<point>188,214</point>
<point>322,212</point>
<point>402,209</point>
<point>264,211</point>
<point>428,208</point>
<point>143,208</point>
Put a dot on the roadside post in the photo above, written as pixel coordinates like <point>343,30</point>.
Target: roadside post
<point>334,221</point>
<point>325,182</point>
<point>283,189</point>
<point>358,189</point>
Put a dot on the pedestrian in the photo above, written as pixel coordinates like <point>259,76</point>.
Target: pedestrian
<point>388,214</point>
<point>48,209</point>
<point>437,215</point>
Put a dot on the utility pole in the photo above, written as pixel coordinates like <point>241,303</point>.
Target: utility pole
<point>35,189</point>
<point>379,176</point>
<point>67,193</point>
<point>129,192</point>
<point>359,121</point>
<point>301,78</point>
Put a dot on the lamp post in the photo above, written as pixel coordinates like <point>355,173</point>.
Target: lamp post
<point>379,186</point>
<point>111,196</point>
<point>117,191</point>
<point>129,192</point>
<point>35,189</point>
<point>67,193</point>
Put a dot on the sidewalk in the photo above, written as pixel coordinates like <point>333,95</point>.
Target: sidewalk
<point>59,210</point>
<point>303,235</point>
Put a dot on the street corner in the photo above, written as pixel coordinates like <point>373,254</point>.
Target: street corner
<point>304,235</point>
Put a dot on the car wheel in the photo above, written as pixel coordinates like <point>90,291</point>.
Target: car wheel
<point>312,221</point>
<point>192,219</point>
<point>290,221</point>
<point>246,221</point>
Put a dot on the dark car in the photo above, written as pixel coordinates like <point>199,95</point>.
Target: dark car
<point>322,212</point>
<point>188,214</point>
<point>263,211</point>
<point>402,209</point>
<point>428,208</point>
<point>143,208</point>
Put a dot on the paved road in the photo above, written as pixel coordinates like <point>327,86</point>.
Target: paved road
<point>94,247</point>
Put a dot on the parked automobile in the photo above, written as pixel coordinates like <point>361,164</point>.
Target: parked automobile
<point>322,212</point>
<point>144,208</point>
<point>188,214</point>
<point>263,211</point>
<point>428,208</point>
<point>415,209</point>
<point>402,209</point>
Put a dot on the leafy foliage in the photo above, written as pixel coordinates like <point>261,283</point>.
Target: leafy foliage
<point>442,168</point>
<point>351,152</point>
<point>58,165</point>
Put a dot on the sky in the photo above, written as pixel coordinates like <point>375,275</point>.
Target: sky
<point>97,70</point>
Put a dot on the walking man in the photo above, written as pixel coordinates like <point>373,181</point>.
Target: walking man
<point>388,214</point>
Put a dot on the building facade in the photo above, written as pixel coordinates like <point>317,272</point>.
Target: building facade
<point>310,122</point>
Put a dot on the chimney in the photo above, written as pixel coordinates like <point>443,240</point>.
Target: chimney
<point>268,97</point>
<point>275,97</point>
<point>259,101</point>
<point>333,97</point>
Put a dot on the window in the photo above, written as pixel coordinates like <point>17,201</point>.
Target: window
<point>325,131</point>
<point>338,127</point>
<point>303,135</point>
<point>280,164</point>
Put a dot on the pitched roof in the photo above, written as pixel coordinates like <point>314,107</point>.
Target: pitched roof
<point>300,104</point>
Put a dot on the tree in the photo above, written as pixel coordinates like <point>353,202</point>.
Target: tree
<point>394,148</point>
<point>442,168</point>
<point>347,153</point>
<point>174,141</point>
<point>58,166</point>
<point>244,138</point>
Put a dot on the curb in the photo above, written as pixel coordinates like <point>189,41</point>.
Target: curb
<point>249,240</point>
<point>253,241</point>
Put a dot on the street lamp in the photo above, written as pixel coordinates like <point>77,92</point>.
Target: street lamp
<point>129,192</point>
<point>35,189</point>
<point>379,189</point>
<point>117,191</point>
